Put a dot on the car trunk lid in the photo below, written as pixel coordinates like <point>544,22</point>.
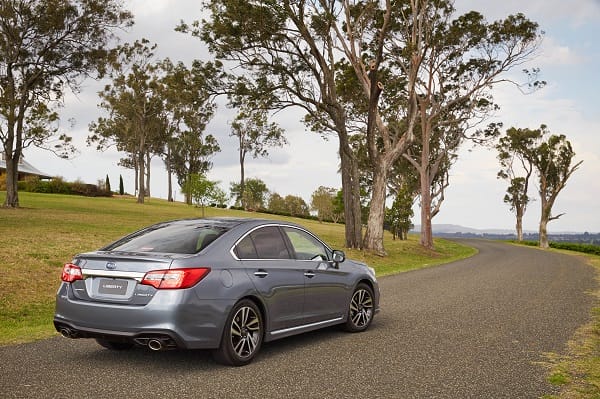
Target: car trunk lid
<point>115,277</point>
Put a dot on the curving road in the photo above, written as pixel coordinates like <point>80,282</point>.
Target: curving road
<point>471,329</point>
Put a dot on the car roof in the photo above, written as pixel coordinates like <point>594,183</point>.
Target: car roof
<point>228,222</point>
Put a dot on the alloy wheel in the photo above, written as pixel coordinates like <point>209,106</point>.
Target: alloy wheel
<point>361,308</point>
<point>245,332</point>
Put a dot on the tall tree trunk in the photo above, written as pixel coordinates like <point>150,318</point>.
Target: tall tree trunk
<point>426,226</point>
<point>147,190</point>
<point>136,169</point>
<point>519,226</point>
<point>543,239</point>
<point>12,177</point>
<point>169,175</point>
<point>351,194</point>
<point>242,175</point>
<point>544,219</point>
<point>188,195</point>
<point>141,173</point>
<point>425,177</point>
<point>374,235</point>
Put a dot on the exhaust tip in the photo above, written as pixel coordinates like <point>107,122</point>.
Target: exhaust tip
<point>67,333</point>
<point>155,344</point>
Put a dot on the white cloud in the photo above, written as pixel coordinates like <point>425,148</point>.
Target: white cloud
<point>552,53</point>
<point>575,12</point>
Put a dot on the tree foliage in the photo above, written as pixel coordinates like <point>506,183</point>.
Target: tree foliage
<point>552,158</point>
<point>390,71</point>
<point>255,135</point>
<point>255,193</point>
<point>288,49</point>
<point>159,108</point>
<point>201,190</point>
<point>517,168</point>
<point>134,106</point>
<point>46,48</point>
<point>398,217</point>
<point>188,97</point>
<point>322,202</point>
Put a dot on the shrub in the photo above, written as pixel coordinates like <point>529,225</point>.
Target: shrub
<point>59,186</point>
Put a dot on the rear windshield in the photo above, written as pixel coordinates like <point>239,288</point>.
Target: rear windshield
<point>169,238</point>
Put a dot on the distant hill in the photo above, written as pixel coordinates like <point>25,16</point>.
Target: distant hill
<point>456,231</point>
<point>454,228</point>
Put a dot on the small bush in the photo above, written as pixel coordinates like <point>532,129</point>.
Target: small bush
<point>57,185</point>
<point>585,248</point>
<point>569,246</point>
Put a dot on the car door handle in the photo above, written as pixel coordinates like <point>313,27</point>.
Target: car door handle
<point>309,274</point>
<point>261,273</point>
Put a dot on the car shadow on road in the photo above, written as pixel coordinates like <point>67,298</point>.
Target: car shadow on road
<point>87,351</point>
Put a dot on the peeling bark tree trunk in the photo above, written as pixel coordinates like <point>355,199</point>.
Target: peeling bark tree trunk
<point>426,226</point>
<point>519,228</point>
<point>543,239</point>
<point>374,235</point>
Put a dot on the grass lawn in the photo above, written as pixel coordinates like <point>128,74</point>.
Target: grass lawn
<point>37,239</point>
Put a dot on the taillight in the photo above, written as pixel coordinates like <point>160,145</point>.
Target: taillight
<point>71,273</point>
<point>175,278</point>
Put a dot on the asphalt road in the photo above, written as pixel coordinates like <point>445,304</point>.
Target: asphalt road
<point>477,328</point>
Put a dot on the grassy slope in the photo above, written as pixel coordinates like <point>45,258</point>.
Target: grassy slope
<point>36,240</point>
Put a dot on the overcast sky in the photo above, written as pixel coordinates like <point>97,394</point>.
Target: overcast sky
<point>569,60</point>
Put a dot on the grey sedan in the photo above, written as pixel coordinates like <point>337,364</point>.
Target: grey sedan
<point>226,284</point>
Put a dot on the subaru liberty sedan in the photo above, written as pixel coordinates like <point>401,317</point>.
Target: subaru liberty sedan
<point>224,284</point>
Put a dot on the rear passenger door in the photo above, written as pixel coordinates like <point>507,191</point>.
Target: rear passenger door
<point>275,275</point>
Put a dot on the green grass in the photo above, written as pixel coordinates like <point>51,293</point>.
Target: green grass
<point>49,229</point>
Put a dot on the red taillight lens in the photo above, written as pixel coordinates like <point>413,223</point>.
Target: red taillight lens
<point>175,278</point>
<point>71,273</point>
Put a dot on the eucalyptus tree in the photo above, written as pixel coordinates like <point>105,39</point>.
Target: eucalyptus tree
<point>255,134</point>
<point>425,76</point>
<point>456,61</point>
<point>188,95</point>
<point>551,156</point>
<point>46,48</point>
<point>288,48</point>
<point>554,163</point>
<point>134,108</point>
<point>517,168</point>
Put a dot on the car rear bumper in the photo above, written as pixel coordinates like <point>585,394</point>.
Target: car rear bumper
<point>176,317</point>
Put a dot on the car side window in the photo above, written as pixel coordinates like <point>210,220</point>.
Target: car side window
<point>245,249</point>
<point>263,243</point>
<point>305,245</point>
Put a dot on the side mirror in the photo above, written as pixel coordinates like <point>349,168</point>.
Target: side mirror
<point>338,256</point>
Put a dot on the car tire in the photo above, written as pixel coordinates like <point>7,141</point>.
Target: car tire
<point>360,309</point>
<point>242,335</point>
<point>115,346</point>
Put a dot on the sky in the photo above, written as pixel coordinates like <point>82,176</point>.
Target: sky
<point>569,59</point>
